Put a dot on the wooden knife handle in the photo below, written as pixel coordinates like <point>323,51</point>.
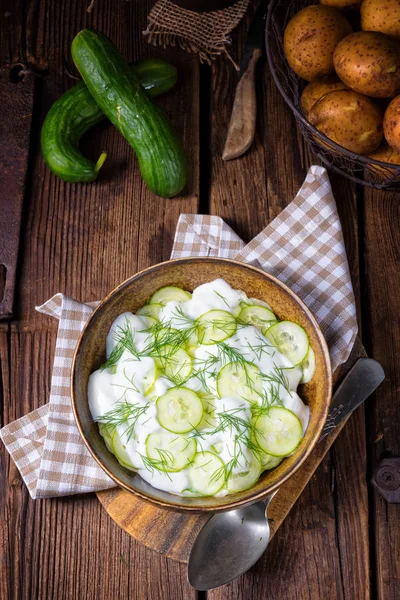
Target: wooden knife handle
<point>242,125</point>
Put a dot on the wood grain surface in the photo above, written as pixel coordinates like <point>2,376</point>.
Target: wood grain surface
<point>341,540</point>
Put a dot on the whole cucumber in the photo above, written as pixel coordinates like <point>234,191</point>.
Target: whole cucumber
<point>76,111</point>
<point>117,91</point>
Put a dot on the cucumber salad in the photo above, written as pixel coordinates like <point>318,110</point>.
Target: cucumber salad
<point>198,392</point>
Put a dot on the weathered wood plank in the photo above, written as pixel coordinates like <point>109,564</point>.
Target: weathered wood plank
<point>309,557</point>
<point>83,240</point>
<point>382,304</point>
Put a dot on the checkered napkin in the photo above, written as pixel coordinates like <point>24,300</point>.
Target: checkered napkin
<point>303,247</point>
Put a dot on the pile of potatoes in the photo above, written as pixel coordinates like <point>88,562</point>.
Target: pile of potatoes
<point>354,92</point>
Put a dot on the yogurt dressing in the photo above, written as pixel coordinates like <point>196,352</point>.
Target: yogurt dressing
<point>134,379</point>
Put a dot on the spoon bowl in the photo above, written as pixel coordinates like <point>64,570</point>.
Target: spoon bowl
<point>229,546</point>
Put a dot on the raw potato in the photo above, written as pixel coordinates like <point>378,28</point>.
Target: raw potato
<point>310,39</point>
<point>388,155</point>
<point>315,90</point>
<point>349,119</point>
<point>381,15</point>
<point>369,63</point>
<point>391,124</point>
<point>340,3</point>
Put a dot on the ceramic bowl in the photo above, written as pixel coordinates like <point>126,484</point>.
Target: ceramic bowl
<point>188,273</point>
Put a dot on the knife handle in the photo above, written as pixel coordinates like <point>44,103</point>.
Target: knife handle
<point>242,125</point>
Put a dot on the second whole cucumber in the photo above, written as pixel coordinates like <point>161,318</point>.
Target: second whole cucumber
<point>76,111</point>
<point>119,94</point>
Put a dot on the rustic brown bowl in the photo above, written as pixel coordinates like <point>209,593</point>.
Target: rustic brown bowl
<point>188,273</point>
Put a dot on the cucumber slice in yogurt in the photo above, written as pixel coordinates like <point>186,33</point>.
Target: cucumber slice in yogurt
<point>278,432</point>
<point>150,310</point>
<point>240,381</point>
<point>290,339</point>
<point>120,451</point>
<point>308,366</point>
<point>169,452</point>
<point>107,437</point>
<point>243,480</point>
<point>149,379</point>
<point>177,366</point>
<point>169,293</point>
<point>206,474</point>
<point>215,326</point>
<point>180,410</point>
<point>270,462</point>
<point>256,315</point>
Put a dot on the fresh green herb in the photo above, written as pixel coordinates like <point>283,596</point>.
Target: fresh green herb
<point>269,398</point>
<point>161,464</point>
<point>222,298</point>
<point>277,377</point>
<point>124,413</point>
<point>124,338</point>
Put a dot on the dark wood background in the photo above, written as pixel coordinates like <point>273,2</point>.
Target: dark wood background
<point>341,540</point>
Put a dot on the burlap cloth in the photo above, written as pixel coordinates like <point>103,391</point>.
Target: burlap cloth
<point>303,247</point>
<point>205,34</point>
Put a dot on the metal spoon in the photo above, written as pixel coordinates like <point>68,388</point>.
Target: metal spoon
<point>232,542</point>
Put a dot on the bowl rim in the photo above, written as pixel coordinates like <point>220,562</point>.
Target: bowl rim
<point>255,497</point>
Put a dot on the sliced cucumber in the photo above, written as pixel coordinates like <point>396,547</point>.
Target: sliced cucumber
<point>308,366</point>
<point>290,339</point>
<point>150,310</point>
<point>206,473</point>
<point>170,452</point>
<point>119,449</point>
<point>279,432</point>
<point>239,381</point>
<point>168,293</point>
<point>256,315</point>
<point>243,480</point>
<point>270,462</point>
<point>106,435</point>
<point>149,379</point>
<point>177,366</point>
<point>209,419</point>
<point>180,410</point>
<point>215,326</point>
<point>236,311</point>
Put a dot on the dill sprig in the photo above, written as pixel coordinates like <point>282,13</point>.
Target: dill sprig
<point>124,413</point>
<point>269,398</point>
<point>222,298</point>
<point>162,464</point>
<point>125,340</point>
<point>277,377</point>
<point>131,387</point>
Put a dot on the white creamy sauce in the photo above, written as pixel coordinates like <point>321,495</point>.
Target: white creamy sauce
<point>131,380</point>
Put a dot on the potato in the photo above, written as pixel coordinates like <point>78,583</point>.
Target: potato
<point>340,3</point>
<point>315,90</point>
<point>310,39</point>
<point>369,63</point>
<point>381,15</point>
<point>391,124</point>
<point>349,119</point>
<point>387,155</point>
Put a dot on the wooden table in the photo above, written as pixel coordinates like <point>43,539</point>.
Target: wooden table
<point>341,540</point>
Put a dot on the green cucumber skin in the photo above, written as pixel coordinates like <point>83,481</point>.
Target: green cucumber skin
<point>162,159</point>
<point>76,111</point>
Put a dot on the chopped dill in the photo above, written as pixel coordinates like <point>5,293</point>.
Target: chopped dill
<point>161,464</point>
<point>222,298</point>
<point>124,413</point>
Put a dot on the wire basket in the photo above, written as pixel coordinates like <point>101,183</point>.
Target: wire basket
<point>360,169</point>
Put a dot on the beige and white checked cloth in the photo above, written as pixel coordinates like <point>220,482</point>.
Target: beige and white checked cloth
<point>303,247</point>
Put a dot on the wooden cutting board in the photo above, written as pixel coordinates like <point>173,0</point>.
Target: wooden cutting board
<point>172,533</point>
